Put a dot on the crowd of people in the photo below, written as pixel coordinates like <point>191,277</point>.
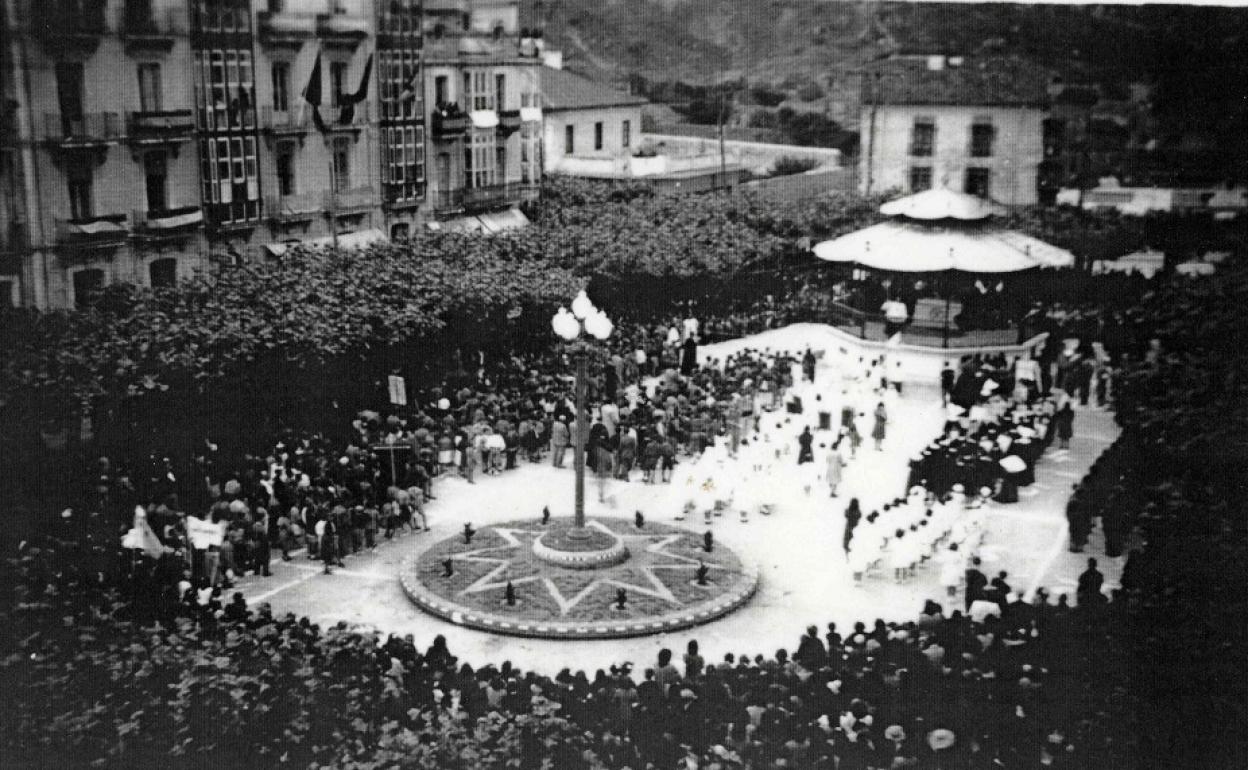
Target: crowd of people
<point>958,688</point>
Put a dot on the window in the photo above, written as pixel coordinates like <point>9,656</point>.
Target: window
<point>400,85</point>
<point>479,91</point>
<point>399,231</point>
<point>342,164</point>
<point>285,161</point>
<point>78,176</point>
<point>500,91</point>
<point>920,178</point>
<point>7,289</point>
<point>530,154</point>
<point>626,133</point>
<point>337,81</point>
<point>978,182</point>
<point>439,90</point>
<point>88,284</point>
<point>163,273</point>
<point>923,137</point>
<point>598,136</point>
<point>149,87</point>
<point>224,89</point>
<point>403,165</point>
<point>569,140</point>
<point>281,86</point>
<point>481,159</point>
<point>981,140</point>
<point>155,175</point>
<point>69,95</point>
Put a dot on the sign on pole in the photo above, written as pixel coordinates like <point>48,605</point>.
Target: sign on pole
<point>398,390</point>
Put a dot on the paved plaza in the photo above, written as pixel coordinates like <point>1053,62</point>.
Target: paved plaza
<point>803,571</point>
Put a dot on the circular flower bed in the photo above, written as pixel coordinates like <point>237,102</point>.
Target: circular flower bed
<point>659,581</point>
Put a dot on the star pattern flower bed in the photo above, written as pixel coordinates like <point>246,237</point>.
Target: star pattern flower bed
<point>659,579</point>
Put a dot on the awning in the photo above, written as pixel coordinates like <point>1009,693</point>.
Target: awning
<point>96,227</point>
<point>494,222</point>
<point>498,221</point>
<point>915,248</point>
<point>345,241</point>
<point>484,118</point>
<point>456,225</point>
<point>175,221</point>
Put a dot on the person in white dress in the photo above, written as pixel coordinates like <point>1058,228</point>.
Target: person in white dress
<point>952,567</point>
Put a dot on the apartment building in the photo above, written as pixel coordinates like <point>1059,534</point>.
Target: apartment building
<point>969,124</point>
<point>145,140</point>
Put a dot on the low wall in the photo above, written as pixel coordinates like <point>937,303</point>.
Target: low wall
<point>759,157</point>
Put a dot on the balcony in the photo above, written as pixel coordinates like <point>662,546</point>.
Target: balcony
<point>108,231</point>
<point>169,224</point>
<point>509,122</point>
<point>491,196</point>
<point>69,25</point>
<point>291,209</point>
<point>146,31</point>
<point>448,122</point>
<point>87,130</point>
<point>355,200</point>
<point>288,122</point>
<point>447,201</point>
<point>357,120</point>
<point>161,126</point>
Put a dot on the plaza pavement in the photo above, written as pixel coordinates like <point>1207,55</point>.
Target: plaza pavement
<point>804,578</point>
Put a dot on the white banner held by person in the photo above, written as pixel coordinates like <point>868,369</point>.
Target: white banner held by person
<point>204,533</point>
<point>398,390</point>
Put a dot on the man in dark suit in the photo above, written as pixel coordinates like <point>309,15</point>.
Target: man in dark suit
<point>1090,582</point>
<point>976,582</point>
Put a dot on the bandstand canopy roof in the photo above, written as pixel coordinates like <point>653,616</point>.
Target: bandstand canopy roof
<point>941,204</point>
<point>939,230</point>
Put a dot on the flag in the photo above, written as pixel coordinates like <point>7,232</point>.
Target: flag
<point>141,537</point>
<point>347,102</point>
<point>409,86</point>
<point>312,96</point>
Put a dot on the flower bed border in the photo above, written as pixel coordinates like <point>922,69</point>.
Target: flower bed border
<point>498,623</point>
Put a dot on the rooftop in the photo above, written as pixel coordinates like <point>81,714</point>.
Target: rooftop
<point>970,81</point>
<point>563,90</point>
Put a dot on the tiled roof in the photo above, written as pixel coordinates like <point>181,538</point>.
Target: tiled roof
<point>563,90</point>
<point>975,82</point>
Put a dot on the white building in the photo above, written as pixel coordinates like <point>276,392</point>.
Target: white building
<point>972,125</point>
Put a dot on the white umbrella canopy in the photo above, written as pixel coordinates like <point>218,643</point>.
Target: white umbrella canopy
<point>914,248</point>
<point>941,204</point>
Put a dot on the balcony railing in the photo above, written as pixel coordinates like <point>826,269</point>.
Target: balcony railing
<point>509,122</point>
<point>89,128</point>
<point>445,201</point>
<point>300,207</point>
<point>161,123</point>
<point>352,200</point>
<point>448,122</point>
<point>280,27</point>
<point>168,222</point>
<point>285,121</point>
<point>110,229</point>
<point>491,196</point>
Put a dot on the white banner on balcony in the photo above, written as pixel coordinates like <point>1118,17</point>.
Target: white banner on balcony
<point>178,220</point>
<point>484,118</point>
<point>531,114</point>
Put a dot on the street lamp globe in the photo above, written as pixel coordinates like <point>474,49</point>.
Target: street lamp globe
<point>598,325</point>
<point>582,307</point>
<point>565,325</point>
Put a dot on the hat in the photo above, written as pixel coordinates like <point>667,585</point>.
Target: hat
<point>895,733</point>
<point>941,738</point>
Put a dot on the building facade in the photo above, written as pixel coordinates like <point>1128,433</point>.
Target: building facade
<point>145,140</point>
<point>975,126</point>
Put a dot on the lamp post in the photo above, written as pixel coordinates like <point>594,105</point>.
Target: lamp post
<point>569,326</point>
